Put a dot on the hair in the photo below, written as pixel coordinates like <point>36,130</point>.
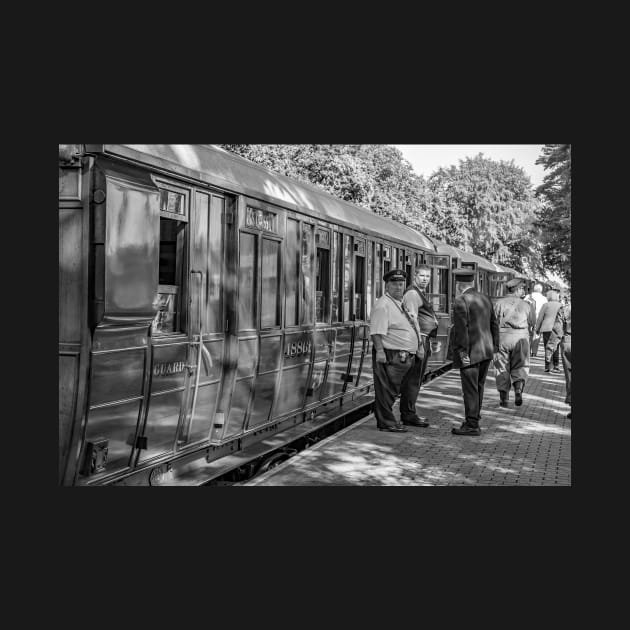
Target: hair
<point>422,266</point>
<point>538,287</point>
<point>514,288</point>
<point>553,295</point>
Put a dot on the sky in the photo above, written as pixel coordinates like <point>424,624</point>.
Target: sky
<point>427,158</point>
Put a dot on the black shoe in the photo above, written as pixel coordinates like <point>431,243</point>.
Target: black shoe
<point>466,429</point>
<point>569,415</point>
<point>504,399</point>
<point>555,368</point>
<point>518,399</point>
<point>416,422</point>
<point>393,429</point>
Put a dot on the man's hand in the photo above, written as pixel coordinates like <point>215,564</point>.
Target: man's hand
<point>465,359</point>
<point>420,352</point>
<point>496,356</point>
<point>381,357</point>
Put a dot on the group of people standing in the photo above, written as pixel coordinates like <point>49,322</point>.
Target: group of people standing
<point>403,322</point>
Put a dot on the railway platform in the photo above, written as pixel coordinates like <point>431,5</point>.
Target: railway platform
<point>519,446</point>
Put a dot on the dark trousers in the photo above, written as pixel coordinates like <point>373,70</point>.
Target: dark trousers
<point>473,383</point>
<point>389,379</point>
<point>566,362</point>
<point>551,353</point>
<point>409,393</point>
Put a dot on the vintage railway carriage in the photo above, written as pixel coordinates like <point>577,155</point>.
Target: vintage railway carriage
<point>210,310</point>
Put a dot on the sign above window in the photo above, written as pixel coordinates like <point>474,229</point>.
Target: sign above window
<point>260,219</point>
<point>172,202</point>
<point>437,261</point>
<point>322,238</point>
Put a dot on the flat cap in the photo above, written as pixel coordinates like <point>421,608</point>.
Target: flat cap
<point>515,282</point>
<point>394,275</point>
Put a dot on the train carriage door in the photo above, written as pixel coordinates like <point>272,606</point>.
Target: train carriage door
<point>189,329</point>
<point>212,218</point>
<point>438,293</point>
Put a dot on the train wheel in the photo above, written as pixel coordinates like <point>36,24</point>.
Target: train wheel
<point>274,459</point>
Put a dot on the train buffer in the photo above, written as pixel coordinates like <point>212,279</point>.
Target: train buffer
<point>528,445</point>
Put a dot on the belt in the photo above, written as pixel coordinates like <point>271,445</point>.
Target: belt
<point>396,350</point>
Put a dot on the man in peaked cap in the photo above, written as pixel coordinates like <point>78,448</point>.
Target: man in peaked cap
<point>516,318</point>
<point>474,343</point>
<point>396,349</point>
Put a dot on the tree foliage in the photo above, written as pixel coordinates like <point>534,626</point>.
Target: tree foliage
<point>554,217</point>
<point>489,208</point>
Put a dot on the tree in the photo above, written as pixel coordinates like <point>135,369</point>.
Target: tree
<point>554,218</point>
<point>488,208</point>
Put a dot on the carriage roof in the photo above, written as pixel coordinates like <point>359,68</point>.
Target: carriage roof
<point>219,167</point>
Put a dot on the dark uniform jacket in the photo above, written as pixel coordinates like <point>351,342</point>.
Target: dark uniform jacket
<point>475,330</point>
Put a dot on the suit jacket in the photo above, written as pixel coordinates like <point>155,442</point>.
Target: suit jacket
<point>475,328</point>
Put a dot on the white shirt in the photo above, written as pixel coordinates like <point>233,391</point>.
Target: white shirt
<point>389,321</point>
<point>539,299</point>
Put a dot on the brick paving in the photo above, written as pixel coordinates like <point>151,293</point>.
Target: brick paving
<point>519,446</point>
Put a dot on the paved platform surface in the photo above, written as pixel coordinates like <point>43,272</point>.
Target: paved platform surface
<point>519,446</point>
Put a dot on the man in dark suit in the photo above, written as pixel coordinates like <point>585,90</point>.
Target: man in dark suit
<point>475,341</point>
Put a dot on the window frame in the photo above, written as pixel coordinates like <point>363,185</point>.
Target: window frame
<point>182,306</point>
<point>269,236</point>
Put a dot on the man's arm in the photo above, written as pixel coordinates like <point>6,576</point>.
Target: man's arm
<point>377,340</point>
<point>460,325</point>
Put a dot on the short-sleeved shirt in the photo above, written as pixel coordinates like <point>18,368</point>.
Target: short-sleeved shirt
<point>419,306</point>
<point>388,320</point>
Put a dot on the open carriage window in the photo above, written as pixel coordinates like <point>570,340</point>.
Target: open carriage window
<point>337,276</point>
<point>437,291</point>
<point>322,276</point>
<point>170,317</point>
<point>359,278</point>
<point>307,306</point>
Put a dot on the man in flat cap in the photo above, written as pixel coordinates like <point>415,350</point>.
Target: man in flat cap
<point>420,308</point>
<point>474,342</point>
<point>516,318</point>
<point>395,351</point>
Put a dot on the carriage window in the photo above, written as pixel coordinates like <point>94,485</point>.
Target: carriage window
<point>247,282</point>
<point>378,273</point>
<point>387,261</point>
<point>359,284</point>
<point>347,270</point>
<point>337,275</point>
<point>438,289</point>
<point>270,302</point>
<point>368,298</point>
<point>215,254</point>
<point>322,278</point>
<point>292,273</point>
<point>170,277</point>
<point>306,268</point>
